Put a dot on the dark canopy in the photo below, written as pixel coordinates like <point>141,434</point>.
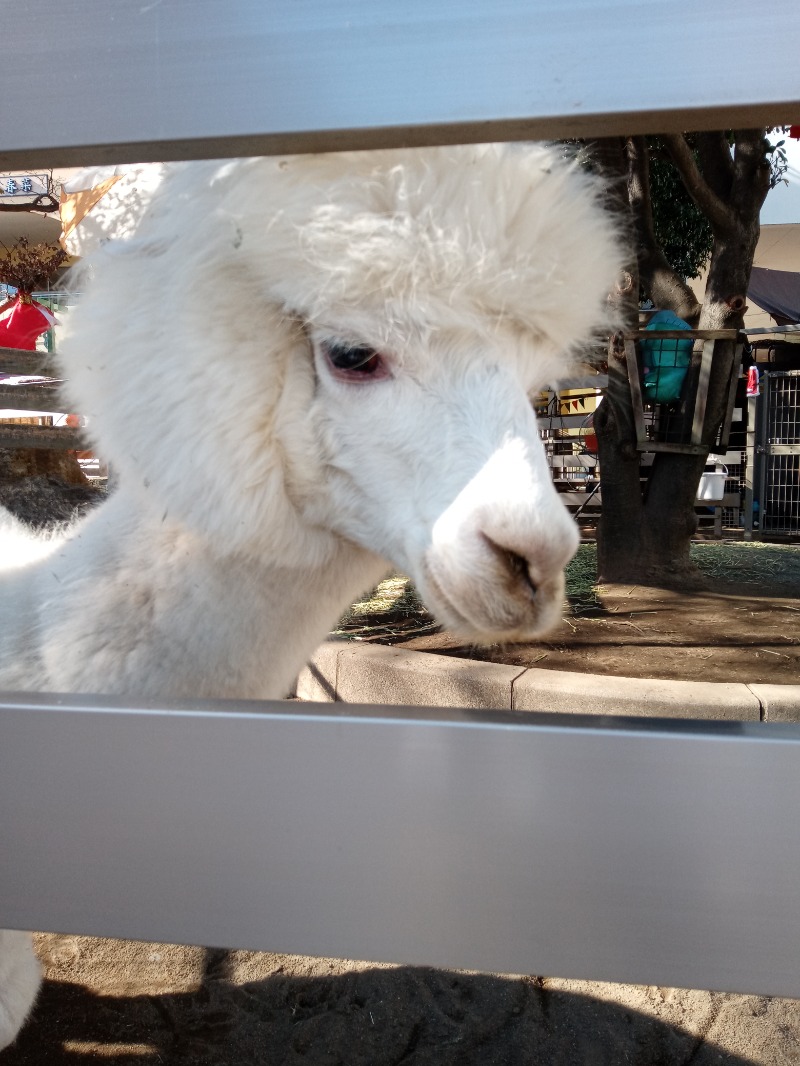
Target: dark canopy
<point>778,292</point>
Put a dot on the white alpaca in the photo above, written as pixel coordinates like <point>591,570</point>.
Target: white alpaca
<point>303,370</point>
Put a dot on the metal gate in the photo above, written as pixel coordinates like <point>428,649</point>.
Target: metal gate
<point>777,487</point>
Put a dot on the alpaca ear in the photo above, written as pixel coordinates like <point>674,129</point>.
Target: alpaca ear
<point>209,426</point>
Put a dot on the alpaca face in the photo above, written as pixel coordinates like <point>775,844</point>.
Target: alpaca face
<point>434,461</point>
<point>337,347</point>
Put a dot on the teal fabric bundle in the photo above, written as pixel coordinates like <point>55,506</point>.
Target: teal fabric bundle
<point>665,361</point>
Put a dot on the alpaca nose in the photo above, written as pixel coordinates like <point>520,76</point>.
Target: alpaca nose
<point>515,565</point>
<point>531,550</point>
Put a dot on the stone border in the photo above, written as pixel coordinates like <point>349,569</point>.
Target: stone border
<point>347,672</point>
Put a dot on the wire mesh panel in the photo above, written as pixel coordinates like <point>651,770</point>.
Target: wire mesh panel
<point>780,492</point>
<point>734,490</point>
<point>781,505</point>
<point>783,413</point>
<point>665,390</point>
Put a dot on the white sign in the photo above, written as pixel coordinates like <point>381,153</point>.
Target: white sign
<point>23,186</point>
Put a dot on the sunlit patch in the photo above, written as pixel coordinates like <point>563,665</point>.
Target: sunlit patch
<point>391,611</point>
<point>20,545</point>
<point>108,1051</point>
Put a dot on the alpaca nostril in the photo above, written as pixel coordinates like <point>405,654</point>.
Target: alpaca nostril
<point>516,565</point>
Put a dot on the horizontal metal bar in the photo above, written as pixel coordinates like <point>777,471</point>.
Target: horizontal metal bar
<point>195,78</point>
<point>668,446</point>
<point>782,449</point>
<point>621,849</point>
<point>583,462</point>
<point>57,438</point>
<point>770,330</point>
<point>587,381</point>
<point>30,398</point>
<point>552,423</point>
<point>33,364</point>
<point>683,334</point>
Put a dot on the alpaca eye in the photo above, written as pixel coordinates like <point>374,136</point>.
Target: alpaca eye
<point>355,359</point>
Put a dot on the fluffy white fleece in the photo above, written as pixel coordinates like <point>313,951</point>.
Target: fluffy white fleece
<point>260,490</point>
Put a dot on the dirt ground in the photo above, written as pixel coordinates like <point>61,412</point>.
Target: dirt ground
<point>724,634</point>
<point>744,627</point>
<point>134,1004</point>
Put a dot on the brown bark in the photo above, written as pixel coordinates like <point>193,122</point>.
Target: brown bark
<point>44,202</point>
<point>716,164</point>
<point>715,209</point>
<point>41,462</point>
<point>645,531</point>
<point>613,421</point>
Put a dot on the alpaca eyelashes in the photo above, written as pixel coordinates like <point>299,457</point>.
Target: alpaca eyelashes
<point>354,360</point>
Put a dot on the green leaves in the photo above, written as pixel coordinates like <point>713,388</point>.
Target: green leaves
<point>680,227</point>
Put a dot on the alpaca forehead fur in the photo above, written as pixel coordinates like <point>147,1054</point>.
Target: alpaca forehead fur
<point>470,236</point>
<point>474,237</point>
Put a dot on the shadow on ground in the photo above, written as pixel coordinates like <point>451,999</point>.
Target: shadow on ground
<point>373,1016</point>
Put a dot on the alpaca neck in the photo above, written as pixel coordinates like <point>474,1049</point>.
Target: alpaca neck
<point>155,610</point>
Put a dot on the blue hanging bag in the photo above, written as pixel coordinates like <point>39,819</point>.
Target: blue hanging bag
<point>665,361</point>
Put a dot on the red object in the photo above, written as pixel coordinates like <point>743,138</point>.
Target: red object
<point>794,131</point>
<point>589,436</point>
<point>753,388</point>
<point>22,320</point>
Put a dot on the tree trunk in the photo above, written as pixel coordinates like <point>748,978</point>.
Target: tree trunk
<point>648,516</point>
<point>41,462</point>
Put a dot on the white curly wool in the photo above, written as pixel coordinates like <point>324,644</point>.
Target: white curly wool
<point>260,487</point>
<point>20,976</point>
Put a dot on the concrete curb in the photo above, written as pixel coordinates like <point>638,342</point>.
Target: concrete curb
<point>346,672</point>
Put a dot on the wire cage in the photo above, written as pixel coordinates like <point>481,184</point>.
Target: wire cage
<point>669,372</point>
<point>778,453</point>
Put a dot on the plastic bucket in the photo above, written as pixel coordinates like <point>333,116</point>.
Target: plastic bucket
<point>712,485</point>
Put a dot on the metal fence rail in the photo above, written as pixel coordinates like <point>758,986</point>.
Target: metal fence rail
<point>195,78</point>
<point>581,848</point>
<point>620,849</point>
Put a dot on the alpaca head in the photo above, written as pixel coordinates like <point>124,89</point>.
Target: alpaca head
<point>337,347</point>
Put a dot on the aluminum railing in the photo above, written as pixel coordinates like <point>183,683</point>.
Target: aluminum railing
<point>627,850</point>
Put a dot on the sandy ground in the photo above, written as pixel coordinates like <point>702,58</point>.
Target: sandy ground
<point>130,1003</point>
<point>724,634</point>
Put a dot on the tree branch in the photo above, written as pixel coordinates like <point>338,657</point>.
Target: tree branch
<point>716,162</point>
<point>709,203</point>
<point>751,181</point>
<point>608,154</point>
<point>664,286</point>
<point>43,202</point>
